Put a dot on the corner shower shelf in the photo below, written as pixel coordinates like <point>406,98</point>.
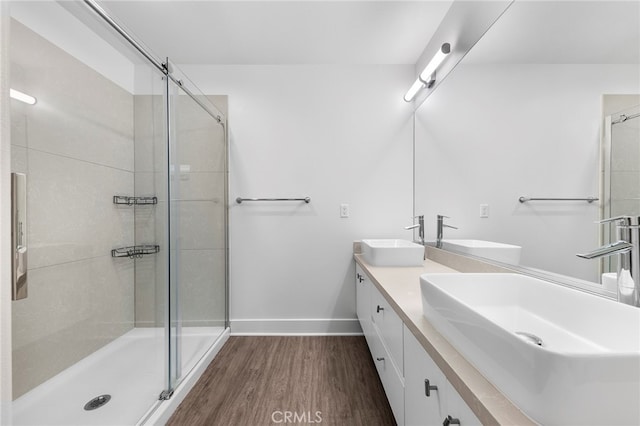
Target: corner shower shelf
<point>135,252</point>
<point>130,201</point>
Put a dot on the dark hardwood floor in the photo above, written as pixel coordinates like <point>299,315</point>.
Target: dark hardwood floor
<point>305,380</point>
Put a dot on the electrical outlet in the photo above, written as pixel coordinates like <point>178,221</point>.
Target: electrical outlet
<point>344,210</point>
<point>484,210</point>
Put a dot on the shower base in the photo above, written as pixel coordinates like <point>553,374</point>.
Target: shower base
<point>131,369</point>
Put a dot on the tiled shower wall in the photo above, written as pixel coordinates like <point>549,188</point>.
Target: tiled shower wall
<point>76,147</point>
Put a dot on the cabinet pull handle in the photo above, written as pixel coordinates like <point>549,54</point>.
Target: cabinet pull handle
<point>428,387</point>
<point>380,358</point>
<point>380,308</point>
<point>360,278</point>
<point>450,421</point>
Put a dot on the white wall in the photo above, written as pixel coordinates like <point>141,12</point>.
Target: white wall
<point>339,134</point>
<point>493,133</point>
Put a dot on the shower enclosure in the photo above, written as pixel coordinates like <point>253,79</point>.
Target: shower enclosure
<point>124,235</point>
<point>621,172</point>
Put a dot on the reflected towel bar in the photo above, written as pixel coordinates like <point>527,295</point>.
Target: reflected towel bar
<point>307,200</point>
<point>587,199</point>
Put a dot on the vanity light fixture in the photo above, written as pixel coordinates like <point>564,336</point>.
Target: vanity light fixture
<point>428,75</point>
<point>22,97</point>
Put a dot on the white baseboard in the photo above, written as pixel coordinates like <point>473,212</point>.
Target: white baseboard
<point>296,327</point>
<point>160,414</point>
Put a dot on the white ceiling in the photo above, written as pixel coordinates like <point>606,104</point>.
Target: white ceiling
<point>569,32</point>
<point>283,32</point>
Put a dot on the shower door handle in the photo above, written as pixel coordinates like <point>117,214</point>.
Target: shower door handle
<point>19,235</point>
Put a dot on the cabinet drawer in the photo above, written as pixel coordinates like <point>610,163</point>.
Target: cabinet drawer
<point>390,378</point>
<point>389,326</point>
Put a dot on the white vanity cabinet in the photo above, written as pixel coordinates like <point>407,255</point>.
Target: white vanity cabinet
<point>403,365</point>
<point>383,330</point>
<point>429,397</point>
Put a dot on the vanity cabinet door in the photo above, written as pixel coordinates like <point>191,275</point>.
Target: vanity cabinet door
<point>421,377</point>
<point>425,385</point>
<point>458,409</point>
<point>363,302</point>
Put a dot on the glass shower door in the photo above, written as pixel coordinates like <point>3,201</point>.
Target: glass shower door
<point>198,241</point>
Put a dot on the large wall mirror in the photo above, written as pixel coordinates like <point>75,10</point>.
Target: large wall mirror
<point>524,114</point>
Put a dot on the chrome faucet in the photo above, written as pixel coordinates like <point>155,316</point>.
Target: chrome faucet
<point>442,225</point>
<point>628,250</point>
<point>420,226</point>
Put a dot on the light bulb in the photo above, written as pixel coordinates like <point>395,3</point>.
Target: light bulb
<point>426,77</point>
<point>22,97</point>
<point>435,62</point>
<point>415,88</point>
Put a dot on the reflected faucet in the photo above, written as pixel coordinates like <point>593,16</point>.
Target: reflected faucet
<point>420,226</point>
<point>628,250</point>
<point>442,225</point>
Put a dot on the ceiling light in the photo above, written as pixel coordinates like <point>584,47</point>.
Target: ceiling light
<point>427,76</point>
<point>22,97</point>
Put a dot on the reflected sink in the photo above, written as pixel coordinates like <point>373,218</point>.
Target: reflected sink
<point>587,371</point>
<point>391,252</point>
<point>505,253</point>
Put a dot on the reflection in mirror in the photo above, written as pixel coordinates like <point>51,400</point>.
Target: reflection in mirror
<point>620,171</point>
<point>620,165</point>
<point>461,28</point>
<point>523,115</point>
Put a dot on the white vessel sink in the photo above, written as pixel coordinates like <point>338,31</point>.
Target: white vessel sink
<point>587,371</point>
<point>391,252</point>
<point>500,252</point>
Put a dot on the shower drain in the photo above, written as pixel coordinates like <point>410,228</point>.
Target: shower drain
<point>97,402</point>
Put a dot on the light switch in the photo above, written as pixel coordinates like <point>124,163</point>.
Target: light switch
<point>484,210</point>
